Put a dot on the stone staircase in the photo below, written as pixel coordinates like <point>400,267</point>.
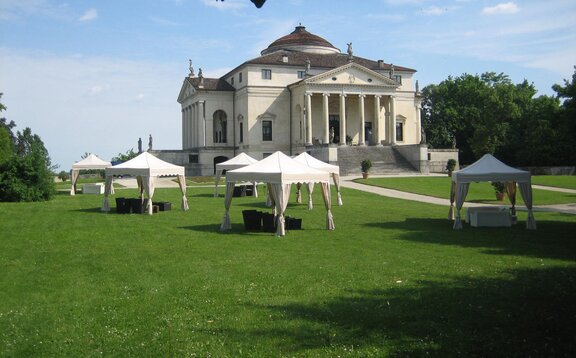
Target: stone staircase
<point>385,160</point>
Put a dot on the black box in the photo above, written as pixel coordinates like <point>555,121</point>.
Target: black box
<point>163,205</point>
<point>252,219</point>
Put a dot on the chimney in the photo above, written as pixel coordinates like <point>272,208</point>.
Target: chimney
<point>380,63</point>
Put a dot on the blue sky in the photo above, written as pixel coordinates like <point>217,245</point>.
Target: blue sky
<point>94,76</point>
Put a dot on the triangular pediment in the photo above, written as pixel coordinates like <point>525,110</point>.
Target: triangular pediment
<point>186,90</point>
<point>352,73</point>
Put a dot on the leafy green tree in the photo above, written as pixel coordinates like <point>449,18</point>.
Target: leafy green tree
<point>567,119</point>
<point>124,157</point>
<point>473,113</point>
<point>6,136</point>
<point>25,170</point>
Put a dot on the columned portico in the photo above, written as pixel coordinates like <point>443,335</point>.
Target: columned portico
<point>308,118</point>
<point>377,118</point>
<point>325,117</point>
<point>362,120</point>
<point>392,120</point>
<point>201,124</point>
<point>342,119</point>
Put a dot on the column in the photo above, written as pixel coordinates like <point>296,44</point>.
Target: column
<point>342,119</point>
<point>392,120</point>
<point>325,118</point>
<point>308,118</point>
<point>362,119</point>
<point>183,128</point>
<point>418,124</point>
<point>377,119</point>
<point>201,124</point>
<point>194,127</point>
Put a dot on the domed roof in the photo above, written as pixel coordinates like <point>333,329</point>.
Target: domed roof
<point>301,40</point>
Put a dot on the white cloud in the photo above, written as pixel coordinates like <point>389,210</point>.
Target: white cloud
<point>434,11</point>
<point>89,15</point>
<point>387,17</point>
<point>98,89</point>
<point>91,104</point>
<point>226,5</point>
<point>503,8</point>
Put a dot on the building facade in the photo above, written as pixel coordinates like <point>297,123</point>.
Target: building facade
<point>301,94</point>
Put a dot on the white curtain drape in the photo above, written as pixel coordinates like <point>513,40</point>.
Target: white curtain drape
<point>310,188</point>
<point>336,179</point>
<point>107,192</point>
<point>299,193</point>
<point>226,225</point>
<point>526,191</point>
<point>255,191</point>
<point>74,174</point>
<point>148,185</point>
<point>280,195</point>
<point>182,184</point>
<point>461,192</point>
<point>328,204</point>
<point>452,198</point>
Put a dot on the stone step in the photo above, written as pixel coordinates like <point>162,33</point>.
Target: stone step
<point>385,160</point>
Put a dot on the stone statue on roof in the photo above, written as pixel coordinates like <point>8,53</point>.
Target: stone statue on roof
<point>191,68</point>
<point>307,65</point>
<point>350,52</point>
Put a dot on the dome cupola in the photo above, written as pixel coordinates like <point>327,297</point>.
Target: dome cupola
<point>303,41</point>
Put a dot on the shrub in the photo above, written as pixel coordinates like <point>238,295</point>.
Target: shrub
<point>366,165</point>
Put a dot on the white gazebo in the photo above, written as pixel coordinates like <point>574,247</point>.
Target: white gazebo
<point>279,172</point>
<point>239,161</point>
<point>315,163</point>
<point>488,168</point>
<point>92,161</point>
<point>146,168</point>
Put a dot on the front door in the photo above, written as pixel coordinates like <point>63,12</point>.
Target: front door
<point>368,133</point>
<point>334,127</point>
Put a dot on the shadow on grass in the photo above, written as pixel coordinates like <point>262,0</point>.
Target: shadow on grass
<point>524,313</point>
<point>550,240</point>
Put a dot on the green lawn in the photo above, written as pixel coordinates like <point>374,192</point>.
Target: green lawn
<point>392,279</point>
<point>478,192</point>
<point>560,181</point>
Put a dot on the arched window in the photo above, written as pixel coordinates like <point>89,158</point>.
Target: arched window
<point>220,121</point>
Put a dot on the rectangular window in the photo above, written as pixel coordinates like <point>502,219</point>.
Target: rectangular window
<point>398,79</point>
<point>240,77</point>
<point>232,80</point>
<point>241,132</point>
<point>399,131</point>
<point>266,130</point>
<point>193,158</point>
<point>266,74</point>
<point>301,74</point>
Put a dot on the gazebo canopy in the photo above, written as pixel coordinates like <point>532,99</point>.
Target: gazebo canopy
<point>279,171</point>
<point>239,161</point>
<point>315,163</point>
<point>488,168</point>
<point>146,168</point>
<point>92,161</point>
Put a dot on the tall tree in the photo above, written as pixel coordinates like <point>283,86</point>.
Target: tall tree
<point>567,119</point>
<point>26,171</point>
<point>473,113</point>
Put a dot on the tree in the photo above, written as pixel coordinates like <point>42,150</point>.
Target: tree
<point>26,171</point>
<point>473,113</point>
<point>125,157</point>
<point>6,136</point>
<point>567,119</point>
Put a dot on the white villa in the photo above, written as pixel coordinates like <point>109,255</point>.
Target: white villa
<point>303,95</point>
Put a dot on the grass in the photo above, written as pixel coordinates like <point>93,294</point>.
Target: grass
<point>559,181</point>
<point>392,279</point>
<point>439,186</point>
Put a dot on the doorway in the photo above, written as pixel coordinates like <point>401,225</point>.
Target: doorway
<point>334,124</point>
